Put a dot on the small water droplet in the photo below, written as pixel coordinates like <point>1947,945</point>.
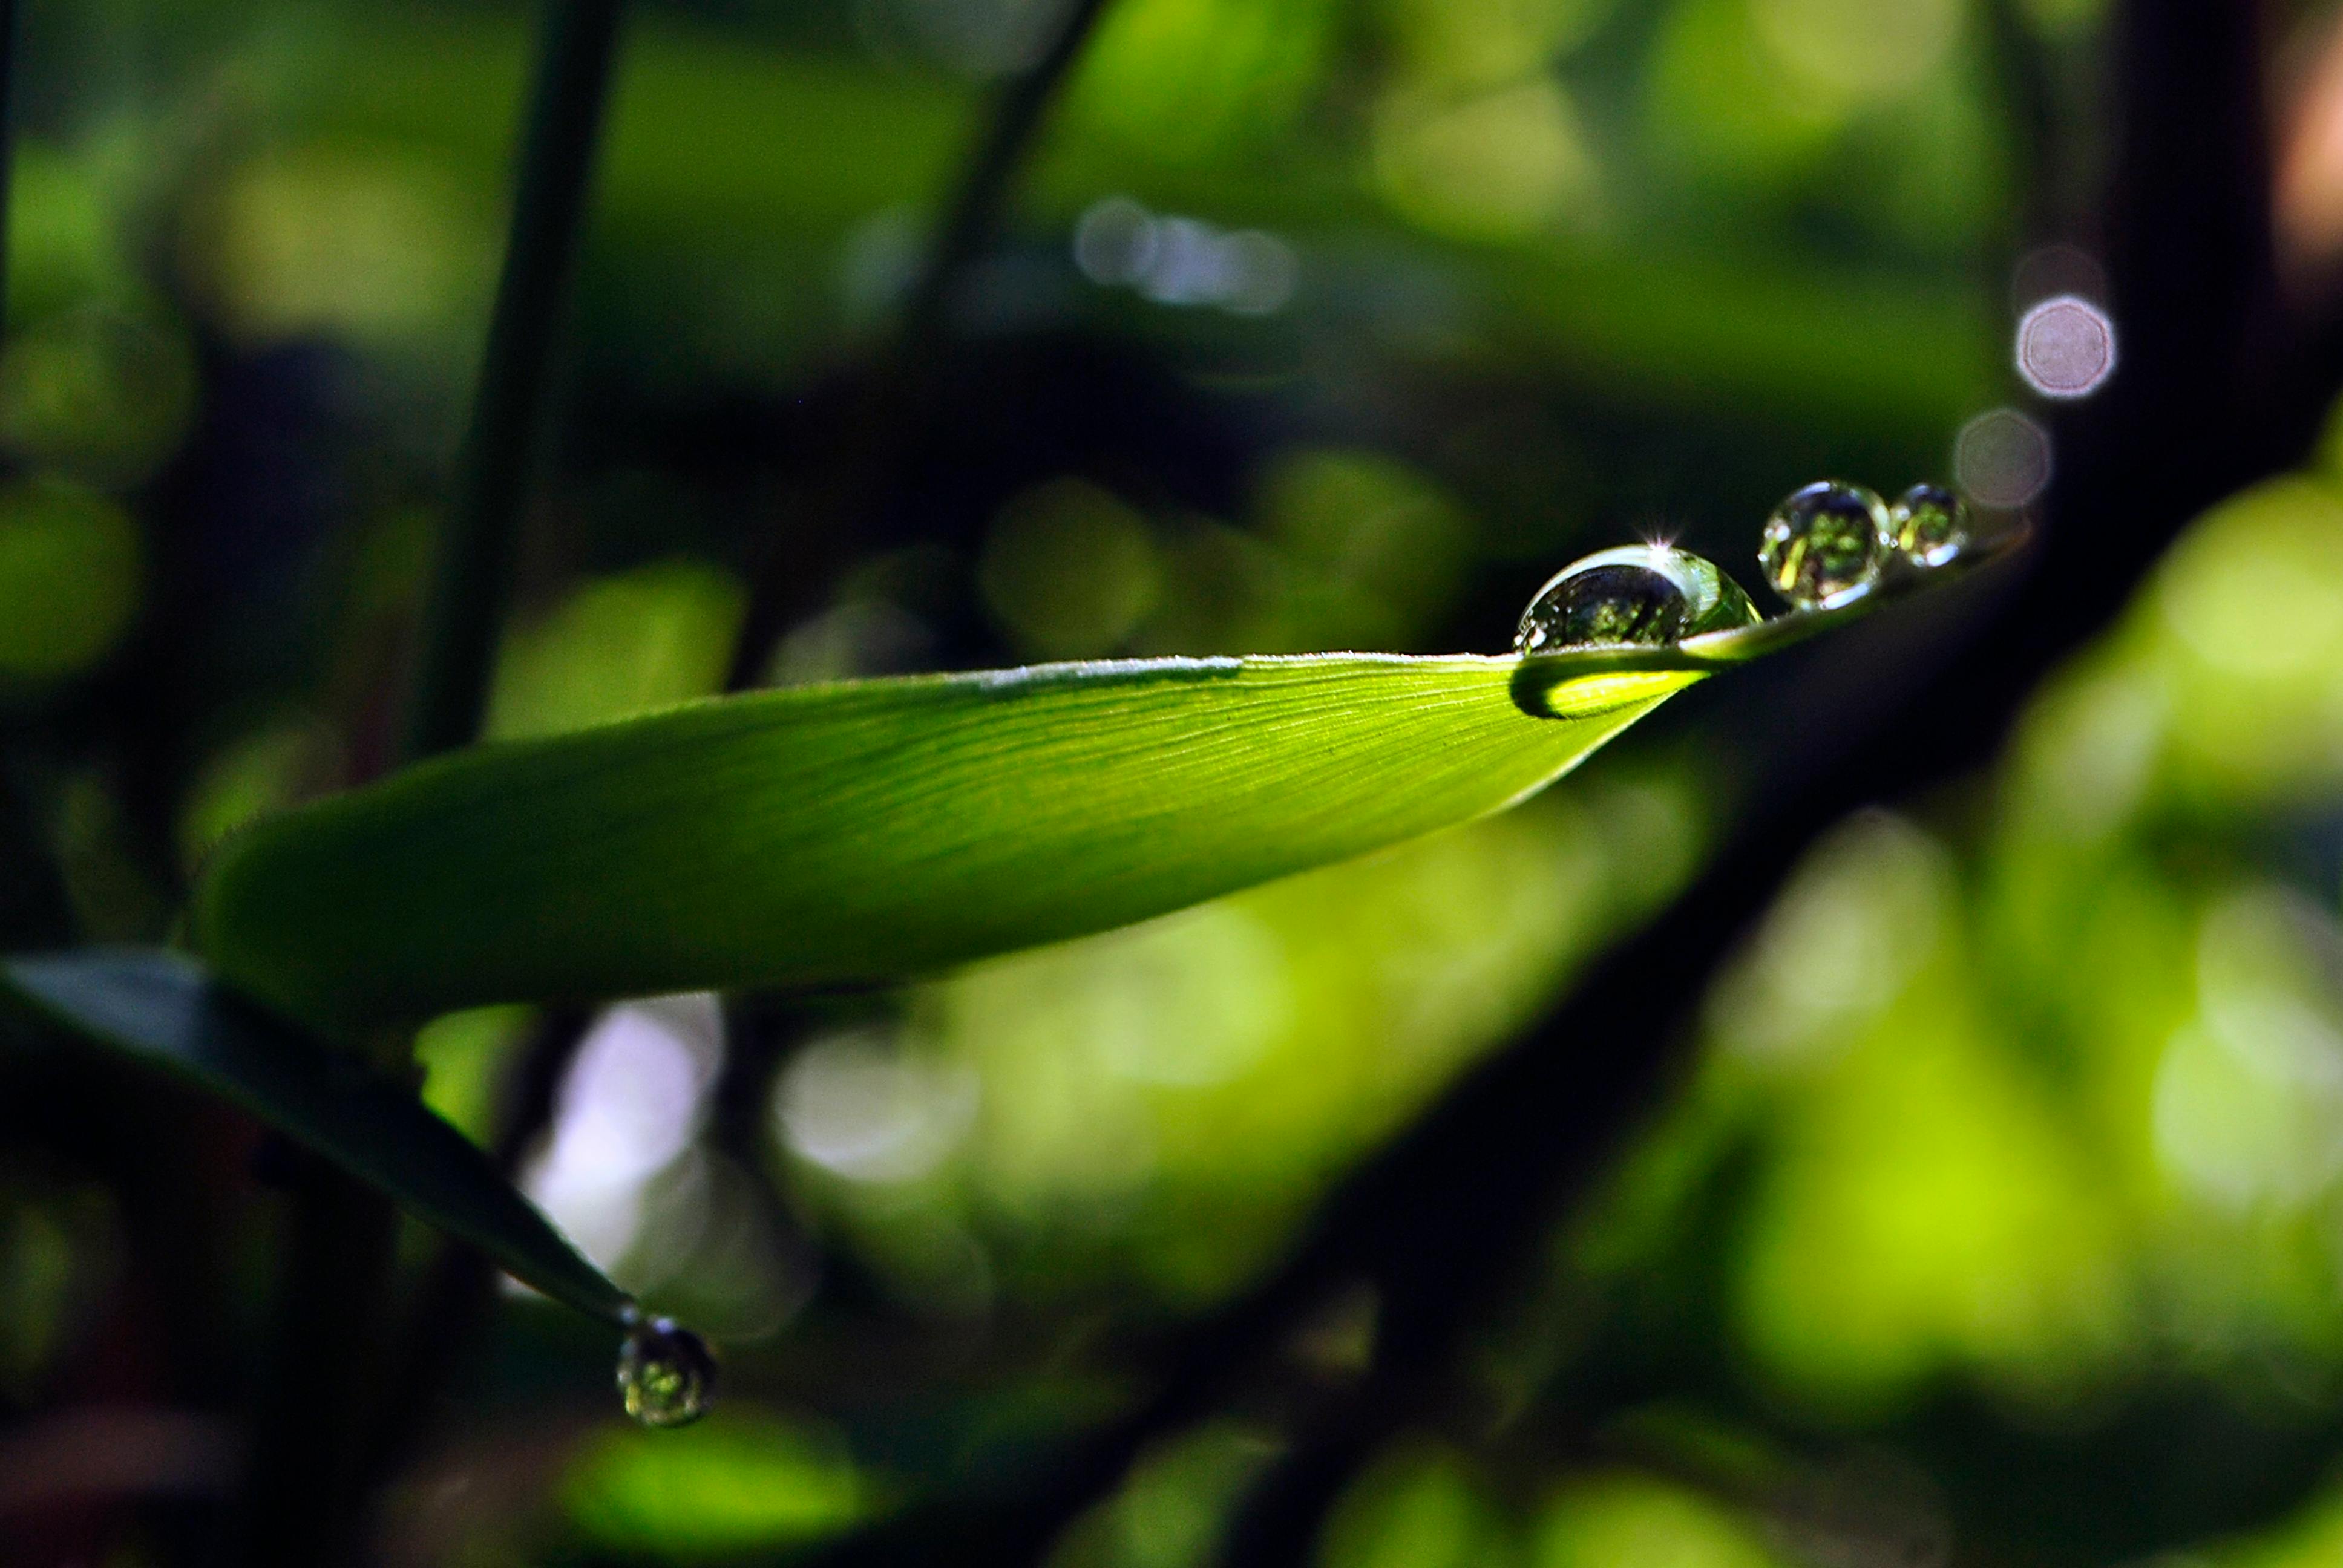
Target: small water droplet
<point>667,1374</point>
<point>1928,525</point>
<point>1636,596</point>
<point>1824,544</point>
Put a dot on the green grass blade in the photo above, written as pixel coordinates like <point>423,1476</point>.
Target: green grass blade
<point>163,1011</point>
<point>871,829</point>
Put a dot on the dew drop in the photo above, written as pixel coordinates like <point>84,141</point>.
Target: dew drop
<point>1928,525</point>
<point>1824,544</point>
<point>667,1374</point>
<point>1637,594</point>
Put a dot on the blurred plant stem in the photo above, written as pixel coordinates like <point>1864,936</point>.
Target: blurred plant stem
<point>318,1429</point>
<point>457,1296</point>
<point>978,199</point>
<point>472,577</point>
<point>894,406</point>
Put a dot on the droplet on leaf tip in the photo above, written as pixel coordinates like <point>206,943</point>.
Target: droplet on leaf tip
<point>1928,525</point>
<point>667,1374</point>
<point>1638,596</point>
<point>1825,545</point>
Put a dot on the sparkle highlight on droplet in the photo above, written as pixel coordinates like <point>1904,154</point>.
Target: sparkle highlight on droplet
<point>1637,596</point>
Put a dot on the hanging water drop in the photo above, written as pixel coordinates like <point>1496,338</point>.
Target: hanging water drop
<point>1636,596</point>
<point>1928,525</point>
<point>1824,544</point>
<point>667,1374</point>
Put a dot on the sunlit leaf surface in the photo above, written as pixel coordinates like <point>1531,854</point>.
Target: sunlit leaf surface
<point>866,830</point>
<point>163,1011</point>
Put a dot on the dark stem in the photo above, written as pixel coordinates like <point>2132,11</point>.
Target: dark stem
<point>2212,397</point>
<point>894,406</point>
<point>472,581</point>
<point>317,1430</point>
<point>306,1474</point>
<point>983,190</point>
<point>455,1304</point>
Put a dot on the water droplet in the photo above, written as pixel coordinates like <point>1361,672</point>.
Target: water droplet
<point>1928,525</point>
<point>666,1373</point>
<point>1824,544</point>
<point>1638,595</point>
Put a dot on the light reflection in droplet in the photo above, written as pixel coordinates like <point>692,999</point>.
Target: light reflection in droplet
<point>667,1376</point>
<point>1928,525</point>
<point>2066,346</point>
<point>1638,594</point>
<point>2002,458</point>
<point>1824,546</point>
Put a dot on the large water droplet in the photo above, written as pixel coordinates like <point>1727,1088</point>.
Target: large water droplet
<point>666,1373</point>
<point>1638,595</point>
<point>1824,544</point>
<point>1928,525</point>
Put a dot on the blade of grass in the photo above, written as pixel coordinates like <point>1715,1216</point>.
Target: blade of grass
<point>163,1011</point>
<point>870,830</point>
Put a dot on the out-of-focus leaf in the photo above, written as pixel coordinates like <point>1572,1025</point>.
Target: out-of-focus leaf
<point>620,645</point>
<point>165,1011</point>
<point>746,1479</point>
<point>871,829</point>
<point>70,574</point>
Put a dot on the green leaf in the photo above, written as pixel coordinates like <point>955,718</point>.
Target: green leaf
<point>871,829</point>
<point>163,1011</point>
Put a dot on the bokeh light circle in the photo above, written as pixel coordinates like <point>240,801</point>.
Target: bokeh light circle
<point>2066,346</point>
<point>2002,458</point>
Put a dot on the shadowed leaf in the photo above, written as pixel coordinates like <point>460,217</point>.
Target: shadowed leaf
<point>162,1009</point>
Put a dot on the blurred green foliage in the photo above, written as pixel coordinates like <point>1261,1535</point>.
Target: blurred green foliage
<point>743,1478</point>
